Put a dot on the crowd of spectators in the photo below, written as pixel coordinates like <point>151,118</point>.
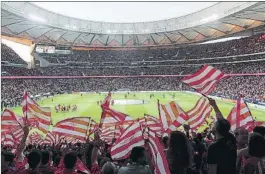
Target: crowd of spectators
<point>216,150</point>
<point>251,87</point>
<point>230,68</point>
<point>241,46</point>
<point>213,151</point>
<point>7,54</point>
<point>186,60</point>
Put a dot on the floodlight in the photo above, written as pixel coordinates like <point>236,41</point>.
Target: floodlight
<point>36,18</point>
<point>210,18</point>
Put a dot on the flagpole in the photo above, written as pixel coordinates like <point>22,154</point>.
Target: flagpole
<point>26,94</point>
<point>250,112</point>
<point>158,105</point>
<point>114,130</point>
<point>89,124</point>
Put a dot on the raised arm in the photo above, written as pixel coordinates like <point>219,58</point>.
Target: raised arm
<point>218,113</point>
<point>95,150</point>
<point>22,144</point>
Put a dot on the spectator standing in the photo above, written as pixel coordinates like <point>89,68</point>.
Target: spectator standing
<point>222,154</point>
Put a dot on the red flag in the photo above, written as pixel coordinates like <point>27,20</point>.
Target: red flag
<point>75,127</point>
<point>260,123</point>
<point>152,123</point>
<point>240,116</point>
<point>111,117</point>
<point>9,139</point>
<point>130,138</point>
<point>172,113</point>
<point>36,115</point>
<point>158,154</point>
<point>36,138</point>
<point>52,138</point>
<point>199,113</point>
<point>81,167</point>
<point>106,101</point>
<point>10,121</point>
<point>204,80</point>
<point>92,126</point>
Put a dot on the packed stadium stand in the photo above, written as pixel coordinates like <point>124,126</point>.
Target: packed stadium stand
<point>244,55</point>
<point>96,57</point>
<point>240,58</point>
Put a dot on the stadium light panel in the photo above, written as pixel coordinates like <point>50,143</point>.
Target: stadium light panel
<point>36,18</point>
<point>210,18</point>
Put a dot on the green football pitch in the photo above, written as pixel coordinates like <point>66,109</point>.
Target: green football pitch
<point>87,104</point>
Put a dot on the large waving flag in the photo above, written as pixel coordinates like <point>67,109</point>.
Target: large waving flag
<point>52,138</point>
<point>9,139</point>
<point>36,138</point>
<point>36,115</point>
<point>106,101</point>
<point>199,113</point>
<point>130,138</point>
<point>10,121</point>
<point>18,134</point>
<point>74,127</point>
<point>110,116</point>
<point>108,133</point>
<point>158,154</point>
<point>240,116</point>
<point>81,167</point>
<point>92,126</point>
<point>152,123</point>
<point>171,113</point>
<point>204,80</point>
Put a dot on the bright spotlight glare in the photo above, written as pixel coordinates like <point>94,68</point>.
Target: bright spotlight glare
<point>36,18</point>
<point>210,18</point>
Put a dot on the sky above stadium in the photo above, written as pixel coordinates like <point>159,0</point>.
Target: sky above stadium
<point>124,11</point>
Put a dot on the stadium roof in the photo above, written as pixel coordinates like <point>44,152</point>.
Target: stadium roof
<point>26,20</point>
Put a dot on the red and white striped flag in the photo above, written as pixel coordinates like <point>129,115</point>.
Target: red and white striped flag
<point>260,123</point>
<point>106,101</point>
<point>71,140</point>
<point>9,139</point>
<point>36,115</point>
<point>92,126</point>
<point>52,138</point>
<point>152,123</point>
<point>81,167</point>
<point>199,113</point>
<point>240,116</point>
<point>75,127</point>
<point>18,134</point>
<point>36,138</point>
<point>108,133</point>
<point>130,138</point>
<point>171,113</point>
<point>204,80</point>
<point>10,121</point>
<point>111,117</point>
<point>158,154</point>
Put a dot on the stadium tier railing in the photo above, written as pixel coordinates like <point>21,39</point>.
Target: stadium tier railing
<point>126,76</point>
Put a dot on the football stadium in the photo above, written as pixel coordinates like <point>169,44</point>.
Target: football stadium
<point>118,87</point>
